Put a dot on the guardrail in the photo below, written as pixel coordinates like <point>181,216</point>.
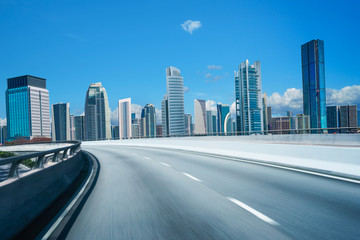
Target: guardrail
<point>41,158</point>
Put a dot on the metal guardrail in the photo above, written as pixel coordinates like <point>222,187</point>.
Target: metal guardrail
<point>54,155</point>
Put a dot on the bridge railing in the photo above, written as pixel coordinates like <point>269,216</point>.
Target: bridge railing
<point>40,158</point>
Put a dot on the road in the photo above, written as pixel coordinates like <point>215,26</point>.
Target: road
<point>144,193</point>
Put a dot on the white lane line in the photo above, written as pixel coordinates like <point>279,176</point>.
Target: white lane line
<point>147,158</point>
<point>192,177</point>
<point>165,164</point>
<point>58,221</point>
<point>253,211</point>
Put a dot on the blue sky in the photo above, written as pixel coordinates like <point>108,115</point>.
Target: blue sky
<point>128,45</point>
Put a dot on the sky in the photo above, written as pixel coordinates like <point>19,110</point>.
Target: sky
<point>127,46</point>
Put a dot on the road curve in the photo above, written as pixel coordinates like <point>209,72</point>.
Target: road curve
<point>159,194</point>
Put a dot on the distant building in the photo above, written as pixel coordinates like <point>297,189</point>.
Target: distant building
<point>347,118</point>
<point>77,126</point>
<point>125,118</point>
<point>200,116</point>
<point>292,119</point>
<point>114,132</point>
<point>265,112</point>
<point>222,111</point>
<point>358,117</point>
<point>60,114</point>
<point>148,121</point>
<point>269,116</point>
<point>188,124</point>
<point>332,119</point>
<point>281,123</point>
<point>302,122</point>
<point>313,77</point>
<point>158,130</point>
<point>97,113</point>
<point>228,124</point>
<point>165,116</point>
<point>27,108</point>
<point>175,98</point>
<point>211,122</point>
<point>3,134</point>
<point>248,98</point>
<point>136,128</point>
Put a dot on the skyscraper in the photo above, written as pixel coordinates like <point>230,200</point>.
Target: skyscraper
<point>228,124</point>
<point>97,113</point>
<point>125,118</point>
<point>332,118</point>
<point>114,132</point>
<point>313,77</point>
<point>265,112</point>
<point>200,116</point>
<point>60,114</point>
<point>27,107</point>
<point>3,134</point>
<point>165,116</point>
<point>249,109</point>
<point>222,111</point>
<point>175,97</point>
<point>210,122</point>
<point>188,124</point>
<point>347,117</point>
<point>148,120</point>
<point>77,127</point>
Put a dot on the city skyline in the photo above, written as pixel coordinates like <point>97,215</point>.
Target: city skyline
<point>209,73</point>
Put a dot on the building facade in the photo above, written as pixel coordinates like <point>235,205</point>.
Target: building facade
<point>332,119</point>
<point>125,127</point>
<point>222,111</point>
<point>175,99</point>
<point>148,121</point>
<point>188,124</point>
<point>114,132</point>
<point>165,116</point>
<point>77,126</point>
<point>200,116</point>
<point>347,118</point>
<point>313,79</point>
<point>60,115</point>
<point>211,122</point>
<point>27,108</point>
<point>248,98</point>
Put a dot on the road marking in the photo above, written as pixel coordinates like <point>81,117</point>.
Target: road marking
<point>147,158</point>
<point>165,164</point>
<point>253,211</point>
<point>58,221</point>
<point>192,177</point>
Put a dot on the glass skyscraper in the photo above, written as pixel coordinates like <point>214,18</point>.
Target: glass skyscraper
<point>97,113</point>
<point>60,113</point>
<point>200,116</point>
<point>313,77</point>
<point>222,112</point>
<point>27,107</point>
<point>125,127</point>
<point>248,98</point>
<point>148,121</point>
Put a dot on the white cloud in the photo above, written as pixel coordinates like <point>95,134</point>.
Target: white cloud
<point>211,78</point>
<point>233,111</point>
<point>2,121</point>
<point>158,116</point>
<point>114,117</point>
<point>349,95</point>
<point>186,89</point>
<point>135,108</point>
<point>210,105</point>
<point>189,26</point>
<point>214,67</point>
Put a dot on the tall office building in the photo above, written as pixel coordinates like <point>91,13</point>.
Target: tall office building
<point>77,126</point>
<point>332,118</point>
<point>228,124</point>
<point>125,118</point>
<point>175,98</point>
<point>211,122</point>
<point>265,113</point>
<point>97,113</point>
<point>347,117</point>
<point>200,116</point>
<point>27,107</point>
<point>148,121</point>
<point>249,109</point>
<point>313,78</point>
<point>269,116</point>
<point>114,132</point>
<point>222,111</point>
<point>302,122</point>
<point>3,134</point>
<point>188,124</point>
<point>60,115</point>
<point>165,116</point>
<point>159,130</point>
<point>135,126</point>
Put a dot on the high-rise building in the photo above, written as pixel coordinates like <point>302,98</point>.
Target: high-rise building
<point>211,122</point>
<point>175,98</point>
<point>97,113</point>
<point>281,123</point>
<point>135,127</point>
<point>27,107</point>
<point>188,124</point>
<point>347,118</point>
<point>228,124</point>
<point>200,116</point>
<point>332,119</point>
<point>165,116</point>
<point>77,126</point>
<point>3,134</point>
<point>159,130</point>
<point>125,118</point>
<point>114,132</point>
<point>248,95</point>
<point>265,113</point>
<point>269,116</point>
<point>222,111</point>
<point>60,115</point>
<point>148,121</point>
<point>313,78</point>
<point>358,117</point>
<point>302,122</point>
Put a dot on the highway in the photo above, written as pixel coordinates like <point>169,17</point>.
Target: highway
<point>144,193</point>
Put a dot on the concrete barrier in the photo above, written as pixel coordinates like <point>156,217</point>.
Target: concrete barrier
<point>24,199</point>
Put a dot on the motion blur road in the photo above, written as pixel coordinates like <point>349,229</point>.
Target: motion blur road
<point>144,193</point>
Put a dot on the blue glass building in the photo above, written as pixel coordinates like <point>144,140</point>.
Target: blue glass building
<point>313,76</point>
<point>222,111</point>
<point>248,98</point>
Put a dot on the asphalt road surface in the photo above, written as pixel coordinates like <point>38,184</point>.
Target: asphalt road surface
<point>144,193</point>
